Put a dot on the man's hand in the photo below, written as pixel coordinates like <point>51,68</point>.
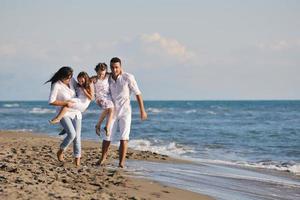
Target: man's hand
<point>140,101</point>
<point>144,115</point>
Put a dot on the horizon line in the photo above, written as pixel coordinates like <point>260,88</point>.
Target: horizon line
<point>184,100</point>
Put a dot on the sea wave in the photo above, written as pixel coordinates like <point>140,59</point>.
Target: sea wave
<point>154,110</point>
<point>291,166</point>
<point>190,111</point>
<point>176,150</point>
<point>41,110</point>
<point>11,105</point>
<point>18,130</point>
<point>211,112</point>
<point>171,149</point>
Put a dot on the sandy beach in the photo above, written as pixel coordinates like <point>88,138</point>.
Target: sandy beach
<point>29,170</point>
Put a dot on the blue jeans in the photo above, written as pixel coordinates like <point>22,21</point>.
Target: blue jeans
<point>73,129</point>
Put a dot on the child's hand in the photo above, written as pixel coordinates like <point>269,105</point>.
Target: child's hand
<point>70,103</point>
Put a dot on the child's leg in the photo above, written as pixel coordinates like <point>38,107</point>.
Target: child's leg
<point>109,116</point>
<point>101,118</point>
<point>60,115</point>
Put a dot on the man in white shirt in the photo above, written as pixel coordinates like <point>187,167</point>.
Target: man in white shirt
<point>122,84</point>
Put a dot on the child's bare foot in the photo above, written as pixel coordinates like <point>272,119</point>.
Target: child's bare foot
<point>121,165</point>
<point>54,121</point>
<point>97,129</point>
<point>107,133</point>
<point>60,155</point>
<point>77,162</point>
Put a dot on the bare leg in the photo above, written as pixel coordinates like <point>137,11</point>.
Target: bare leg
<point>109,116</point>
<point>122,152</point>
<point>60,115</point>
<point>105,147</point>
<point>101,118</point>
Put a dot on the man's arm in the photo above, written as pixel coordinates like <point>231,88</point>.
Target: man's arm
<point>140,101</point>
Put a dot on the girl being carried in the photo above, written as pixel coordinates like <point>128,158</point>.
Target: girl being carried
<point>84,93</point>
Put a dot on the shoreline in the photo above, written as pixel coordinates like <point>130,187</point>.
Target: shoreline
<point>29,169</point>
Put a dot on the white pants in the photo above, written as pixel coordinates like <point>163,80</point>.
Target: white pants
<point>121,123</point>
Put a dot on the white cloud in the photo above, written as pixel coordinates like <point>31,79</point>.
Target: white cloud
<point>144,49</point>
<point>153,51</point>
<point>157,44</point>
<point>23,49</point>
<point>279,45</point>
<point>7,49</point>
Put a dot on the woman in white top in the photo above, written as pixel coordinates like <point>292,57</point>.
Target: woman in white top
<point>84,93</point>
<point>62,91</point>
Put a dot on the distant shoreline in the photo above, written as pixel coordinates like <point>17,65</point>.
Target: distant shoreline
<point>203,100</point>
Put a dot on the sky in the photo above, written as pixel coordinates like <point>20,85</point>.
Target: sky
<point>177,50</point>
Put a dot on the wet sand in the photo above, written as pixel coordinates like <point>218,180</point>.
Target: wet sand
<point>29,170</point>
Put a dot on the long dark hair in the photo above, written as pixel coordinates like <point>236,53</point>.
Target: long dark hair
<point>86,77</point>
<point>63,73</point>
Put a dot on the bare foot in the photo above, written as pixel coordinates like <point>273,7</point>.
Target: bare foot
<point>101,162</point>
<point>121,165</point>
<point>97,129</point>
<point>60,155</point>
<point>54,121</point>
<point>77,161</point>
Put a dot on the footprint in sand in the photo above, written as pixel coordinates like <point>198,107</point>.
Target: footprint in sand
<point>13,150</point>
<point>156,194</point>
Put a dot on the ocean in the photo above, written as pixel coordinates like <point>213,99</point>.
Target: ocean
<point>255,136</point>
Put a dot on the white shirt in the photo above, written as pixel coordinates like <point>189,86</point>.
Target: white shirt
<point>121,90</point>
<point>61,92</point>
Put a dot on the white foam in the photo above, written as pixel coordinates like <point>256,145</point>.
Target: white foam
<point>292,168</point>
<point>154,110</point>
<point>220,182</point>
<point>211,112</point>
<point>41,111</point>
<point>190,111</point>
<point>172,148</point>
<point>11,105</point>
<point>19,130</point>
